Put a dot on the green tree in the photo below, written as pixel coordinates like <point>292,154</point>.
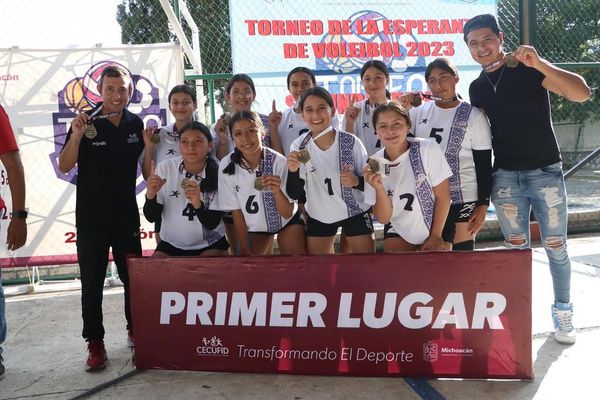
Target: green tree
<point>567,32</point>
<point>144,21</point>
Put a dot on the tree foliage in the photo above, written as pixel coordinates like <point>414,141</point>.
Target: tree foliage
<point>567,32</point>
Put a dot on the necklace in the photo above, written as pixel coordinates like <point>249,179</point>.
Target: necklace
<point>499,78</point>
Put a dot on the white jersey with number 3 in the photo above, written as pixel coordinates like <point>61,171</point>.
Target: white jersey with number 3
<point>322,184</point>
<point>400,185</point>
<point>180,225</point>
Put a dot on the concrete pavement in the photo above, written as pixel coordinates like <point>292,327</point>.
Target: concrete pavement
<point>44,354</point>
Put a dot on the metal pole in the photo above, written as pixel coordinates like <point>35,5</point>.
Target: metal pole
<point>527,22</point>
<point>176,9</point>
<point>211,97</point>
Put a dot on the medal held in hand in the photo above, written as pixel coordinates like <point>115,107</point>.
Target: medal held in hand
<point>155,138</point>
<point>511,61</point>
<point>185,182</point>
<point>303,156</point>
<point>416,101</point>
<point>258,184</point>
<point>90,131</point>
<point>373,165</point>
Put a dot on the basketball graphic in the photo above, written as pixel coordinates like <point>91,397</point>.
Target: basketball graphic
<point>74,98</point>
<point>395,62</point>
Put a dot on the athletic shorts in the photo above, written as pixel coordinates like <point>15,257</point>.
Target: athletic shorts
<point>168,248</point>
<point>360,224</point>
<point>390,232</point>
<point>227,218</point>
<point>295,220</point>
<point>458,213</point>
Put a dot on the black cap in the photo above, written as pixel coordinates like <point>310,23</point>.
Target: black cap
<point>481,21</point>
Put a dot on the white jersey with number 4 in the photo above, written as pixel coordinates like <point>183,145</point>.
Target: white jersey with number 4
<point>322,184</point>
<point>180,225</point>
<point>400,185</point>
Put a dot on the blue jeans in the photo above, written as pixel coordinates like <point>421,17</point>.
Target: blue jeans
<point>514,194</point>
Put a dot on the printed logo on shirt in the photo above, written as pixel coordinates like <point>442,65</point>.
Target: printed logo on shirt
<point>98,143</point>
<point>133,138</point>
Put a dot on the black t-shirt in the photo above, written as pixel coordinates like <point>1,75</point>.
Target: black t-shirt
<point>107,174</point>
<point>519,112</point>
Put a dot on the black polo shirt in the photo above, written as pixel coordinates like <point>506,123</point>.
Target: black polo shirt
<point>107,174</point>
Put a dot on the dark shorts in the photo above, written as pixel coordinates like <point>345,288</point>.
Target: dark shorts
<point>168,248</point>
<point>458,213</point>
<point>360,224</point>
<point>227,218</point>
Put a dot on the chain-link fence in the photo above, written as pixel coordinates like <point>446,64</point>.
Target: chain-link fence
<point>563,31</point>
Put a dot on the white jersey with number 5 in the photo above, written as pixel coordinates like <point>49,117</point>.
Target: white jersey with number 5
<point>431,121</point>
<point>180,225</point>
<point>237,192</point>
<point>400,185</point>
<point>325,200</point>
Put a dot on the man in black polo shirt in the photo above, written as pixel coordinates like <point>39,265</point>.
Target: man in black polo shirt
<point>106,144</point>
<point>513,91</point>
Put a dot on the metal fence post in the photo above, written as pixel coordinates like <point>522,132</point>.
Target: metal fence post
<point>527,22</point>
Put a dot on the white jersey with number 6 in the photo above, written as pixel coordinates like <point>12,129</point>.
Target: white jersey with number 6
<point>237,192</point>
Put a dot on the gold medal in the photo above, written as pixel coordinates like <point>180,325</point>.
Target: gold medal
<point>90,131</point>
<point>511,61</point>
<point>258,184</point>
<point>304,156</point>
<point>185,182</point>
<point>155,138</point>
<point>373,165</point>
<point>416,101</point>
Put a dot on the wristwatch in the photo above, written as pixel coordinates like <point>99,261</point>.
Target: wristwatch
<point>21,213</point>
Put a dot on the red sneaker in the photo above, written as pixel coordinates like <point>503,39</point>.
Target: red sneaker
<point>97,357</point>
<point>130,340</point>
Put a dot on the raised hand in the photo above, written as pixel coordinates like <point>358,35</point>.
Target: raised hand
<point>351,114</point>
<point>274,117</point>
<point>347,177</point>
<point>155,182</point>
<point>79,125</point>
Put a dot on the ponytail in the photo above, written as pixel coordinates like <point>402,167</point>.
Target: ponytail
<point>236,158</point>
<point>209,183</point>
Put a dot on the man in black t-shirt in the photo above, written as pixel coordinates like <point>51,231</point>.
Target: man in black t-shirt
<point>106,144</point>
<point>513,91</point>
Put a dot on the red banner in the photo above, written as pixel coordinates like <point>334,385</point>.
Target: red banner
<point>439,314</point>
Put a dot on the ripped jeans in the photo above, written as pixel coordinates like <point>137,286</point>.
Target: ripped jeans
<point>514,194</point>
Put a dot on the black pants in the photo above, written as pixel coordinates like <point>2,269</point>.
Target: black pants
<point>92,253</point>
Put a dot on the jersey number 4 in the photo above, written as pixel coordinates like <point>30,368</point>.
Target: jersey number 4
<point>189,212</point>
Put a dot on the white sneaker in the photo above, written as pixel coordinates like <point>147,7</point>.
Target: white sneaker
<point>562,315</point>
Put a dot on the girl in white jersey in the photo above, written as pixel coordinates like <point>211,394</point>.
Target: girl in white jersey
<point>410,178</point>
<point>285,126</point>
<point>163,143</point>
<point>240,94</point>
<point>251,179</point>
<point>182,191</point>
<point>464,135</point>
<point>358,118</point>
<point>325,171</point>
